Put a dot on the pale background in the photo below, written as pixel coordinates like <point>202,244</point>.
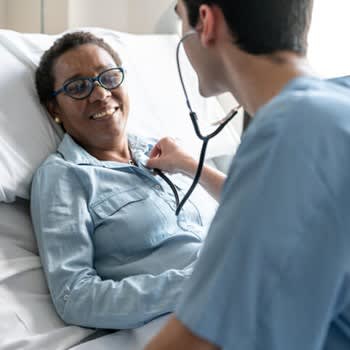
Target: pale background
<point>329,49</point>
<point>136,16</point>
<point>329,38</point>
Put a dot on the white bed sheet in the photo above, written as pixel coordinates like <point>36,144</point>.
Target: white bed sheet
<point>28,320</point>
<point>133,339</point>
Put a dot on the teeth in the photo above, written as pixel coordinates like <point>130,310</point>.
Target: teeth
<point>103,114</point>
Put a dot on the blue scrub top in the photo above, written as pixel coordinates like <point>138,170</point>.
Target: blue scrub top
<point>275,269</point>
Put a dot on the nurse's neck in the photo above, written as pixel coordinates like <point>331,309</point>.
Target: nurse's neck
<point>255,79</point>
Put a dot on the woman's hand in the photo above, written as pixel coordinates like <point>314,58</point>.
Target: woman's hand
<point>167,155</point>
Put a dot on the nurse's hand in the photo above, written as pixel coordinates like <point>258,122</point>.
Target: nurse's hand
<point>168,156</point>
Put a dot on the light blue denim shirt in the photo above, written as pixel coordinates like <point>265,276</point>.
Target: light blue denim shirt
<point>113,251</point>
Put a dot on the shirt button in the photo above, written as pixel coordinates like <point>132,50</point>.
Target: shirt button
<point>66,297</point>
<point>157,187</point>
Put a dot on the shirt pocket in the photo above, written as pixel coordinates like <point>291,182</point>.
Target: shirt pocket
<point>128,223</point>
<point>115,202</point>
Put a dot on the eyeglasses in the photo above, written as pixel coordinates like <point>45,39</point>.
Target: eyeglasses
<point>80,88</point>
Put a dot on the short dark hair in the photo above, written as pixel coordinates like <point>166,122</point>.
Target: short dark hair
<point>44,77</point>
<point>262,27</point>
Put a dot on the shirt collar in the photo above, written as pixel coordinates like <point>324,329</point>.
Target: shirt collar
<point>140,148</point>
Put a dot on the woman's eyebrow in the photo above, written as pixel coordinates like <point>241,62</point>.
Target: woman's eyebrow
<point>99,68</point>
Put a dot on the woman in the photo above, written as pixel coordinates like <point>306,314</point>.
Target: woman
<point>114,253</point>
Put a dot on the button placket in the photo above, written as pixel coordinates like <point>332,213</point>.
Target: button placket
<point>158,188</point>
<point>66,294</point>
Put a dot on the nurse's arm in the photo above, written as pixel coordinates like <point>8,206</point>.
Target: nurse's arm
<point>175,336</point>
<point>168,156</point>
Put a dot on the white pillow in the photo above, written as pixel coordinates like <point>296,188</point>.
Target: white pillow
<point>28,319</point>
<point>27,134</point>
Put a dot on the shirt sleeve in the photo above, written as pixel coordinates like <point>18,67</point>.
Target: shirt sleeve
<point>64,231</point>
<point>270,273</point>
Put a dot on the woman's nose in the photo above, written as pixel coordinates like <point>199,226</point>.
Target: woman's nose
<point>99,93</point>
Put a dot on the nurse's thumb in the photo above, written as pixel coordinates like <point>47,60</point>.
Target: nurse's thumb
<point>153,162</point>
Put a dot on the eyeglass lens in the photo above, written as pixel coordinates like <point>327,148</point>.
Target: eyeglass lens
<point>80,88</point>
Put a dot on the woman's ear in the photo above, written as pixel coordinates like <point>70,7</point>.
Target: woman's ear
<point>53,109</point>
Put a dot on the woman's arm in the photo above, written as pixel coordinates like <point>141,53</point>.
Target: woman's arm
<point>168,156</point>
<point>65,235</point>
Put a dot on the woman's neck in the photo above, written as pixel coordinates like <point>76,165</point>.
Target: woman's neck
<point>117,151</point>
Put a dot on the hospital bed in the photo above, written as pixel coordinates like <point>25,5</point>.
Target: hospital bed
<point>27,135</point>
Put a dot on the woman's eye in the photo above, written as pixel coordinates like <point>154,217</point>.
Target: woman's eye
<point>77,86</point>
<point>111,79</point>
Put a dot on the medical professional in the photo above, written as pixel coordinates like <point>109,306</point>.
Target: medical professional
<point>274,273</point>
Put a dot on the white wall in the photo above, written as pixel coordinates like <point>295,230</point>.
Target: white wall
<point>3,13</point>
<point>111,14</point>
<point>135,16</point>
<point>329,49</point>
<point>56,16</point>
<point>23,15</point>
<point>26,15</point>
<point>152,16</point>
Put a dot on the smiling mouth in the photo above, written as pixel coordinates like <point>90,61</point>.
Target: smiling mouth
<point>105,114</point>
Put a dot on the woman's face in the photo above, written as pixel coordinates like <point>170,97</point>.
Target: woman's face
<point>98,121</point>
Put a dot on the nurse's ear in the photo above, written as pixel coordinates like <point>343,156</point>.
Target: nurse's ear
<point>211,25</point>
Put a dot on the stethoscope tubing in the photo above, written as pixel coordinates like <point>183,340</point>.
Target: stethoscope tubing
<point>205,138</point>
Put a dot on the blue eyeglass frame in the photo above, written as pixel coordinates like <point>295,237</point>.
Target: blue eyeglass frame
<point>92,80</point>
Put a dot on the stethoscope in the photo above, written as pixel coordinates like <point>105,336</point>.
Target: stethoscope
<point>205,138</point>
